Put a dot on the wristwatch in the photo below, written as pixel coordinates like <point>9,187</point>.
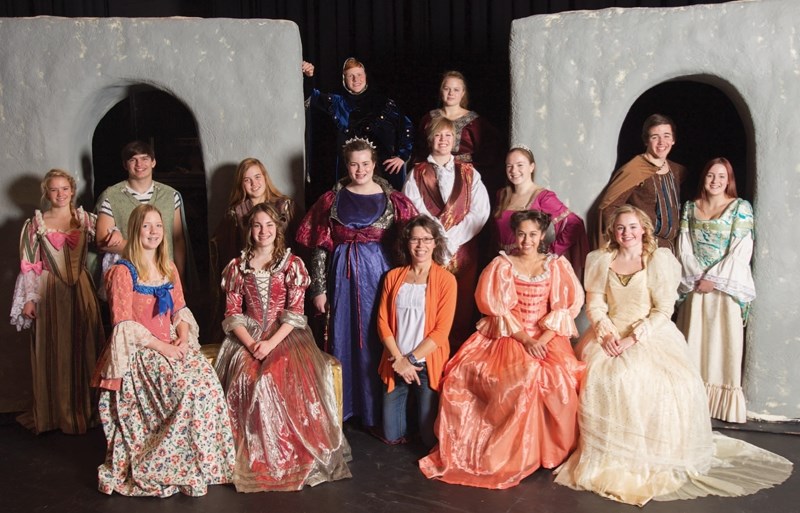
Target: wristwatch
<point>412,359</point>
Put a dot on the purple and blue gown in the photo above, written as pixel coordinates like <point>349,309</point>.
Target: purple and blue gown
<point>349,234</point>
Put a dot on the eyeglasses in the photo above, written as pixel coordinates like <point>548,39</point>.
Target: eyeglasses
<point>421,240</point>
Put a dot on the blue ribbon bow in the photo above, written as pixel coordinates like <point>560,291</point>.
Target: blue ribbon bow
<point>162,292</point>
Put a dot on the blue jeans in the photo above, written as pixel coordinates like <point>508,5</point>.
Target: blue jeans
<point>394,409</point>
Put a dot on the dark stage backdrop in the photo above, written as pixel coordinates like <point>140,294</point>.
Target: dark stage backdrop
<point>405,44</point>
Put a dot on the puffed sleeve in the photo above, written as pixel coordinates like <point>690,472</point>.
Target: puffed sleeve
<point>404,208</point>
<point>496,296</point>
<point>233,288</point>
<point>595,280</point>
<point>732,274</point>
<point>296,283</point>
<point>566,299</point>
<point>691,270</point>
<point>663,276</point>
<point>314,233</point>
<point>88,222</point>
<point>26,287</point>
<point>476,218</point>
<point>568,226</point>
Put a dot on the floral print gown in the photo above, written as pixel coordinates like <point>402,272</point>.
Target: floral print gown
<point>165,420</point>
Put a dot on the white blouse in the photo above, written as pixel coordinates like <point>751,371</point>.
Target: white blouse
<point>410,316</point>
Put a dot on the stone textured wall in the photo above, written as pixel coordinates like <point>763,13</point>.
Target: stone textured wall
<point>58,77</point>
<point>574,77</point>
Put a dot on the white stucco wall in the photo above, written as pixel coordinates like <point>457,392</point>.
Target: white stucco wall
<point>58,77</point>
<point>575,76</point>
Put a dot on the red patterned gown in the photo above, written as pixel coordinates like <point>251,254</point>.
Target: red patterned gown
<point>283,408</point>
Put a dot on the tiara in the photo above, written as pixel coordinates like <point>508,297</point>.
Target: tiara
<point>359,139</point>
<point>521,147</point>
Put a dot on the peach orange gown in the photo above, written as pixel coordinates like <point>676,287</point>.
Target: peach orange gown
<point>504,413</point>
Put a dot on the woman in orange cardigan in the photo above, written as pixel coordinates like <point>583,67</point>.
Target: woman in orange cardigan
<point>415,315</point>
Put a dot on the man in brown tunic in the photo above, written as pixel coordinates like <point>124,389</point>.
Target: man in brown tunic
<point>649,181</point>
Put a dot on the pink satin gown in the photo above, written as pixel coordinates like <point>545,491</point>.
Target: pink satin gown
<point>504,413</point>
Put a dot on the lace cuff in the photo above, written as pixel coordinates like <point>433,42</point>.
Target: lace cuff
<point>126,338</point>
<point>319,261</point>
<point>186,315</point>
<point>495,327</point>
<point>234,321</point>
<point>25,289</point>
<point>293,319</point>
<point>605,327</point>
<point>561,322</point>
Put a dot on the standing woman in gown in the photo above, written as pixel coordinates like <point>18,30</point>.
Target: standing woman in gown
<point>509,396</point>
<point>644,426</point>
<point>348,229</point>
<point>55,297</point>
<point>163,409</point>
<point>452,193</point>
<point>251,186</point>
<point>414,320</point>
<point>476,140</point>
<point>715,246</point>
<point>279,385</point>
<point>523,193</point>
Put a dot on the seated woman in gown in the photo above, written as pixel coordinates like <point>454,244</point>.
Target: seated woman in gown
<point>279,385</point>
<point>644,426</point>
<point>415,315</point>
<point>509,396</point>
<point>162,407</point>
<point>715,245</point>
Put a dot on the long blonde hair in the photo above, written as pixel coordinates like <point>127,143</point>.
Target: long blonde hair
<point>237,192</point>
<point>649,243</point>
<point>134,252</point>
<point>58,173</point>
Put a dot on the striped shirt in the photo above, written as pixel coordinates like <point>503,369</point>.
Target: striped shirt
<point>143,197</point>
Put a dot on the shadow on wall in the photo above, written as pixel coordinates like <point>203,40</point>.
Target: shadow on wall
<point>25,192</point>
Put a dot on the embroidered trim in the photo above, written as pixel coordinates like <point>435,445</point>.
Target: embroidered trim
<point>161,292</point>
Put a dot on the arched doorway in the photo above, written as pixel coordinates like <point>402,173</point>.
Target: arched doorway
<point>709,125</point>
<point>711,121</point>
<point>154,116</point>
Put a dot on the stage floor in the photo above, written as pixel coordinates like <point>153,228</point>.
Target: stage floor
<point>56,473</point>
